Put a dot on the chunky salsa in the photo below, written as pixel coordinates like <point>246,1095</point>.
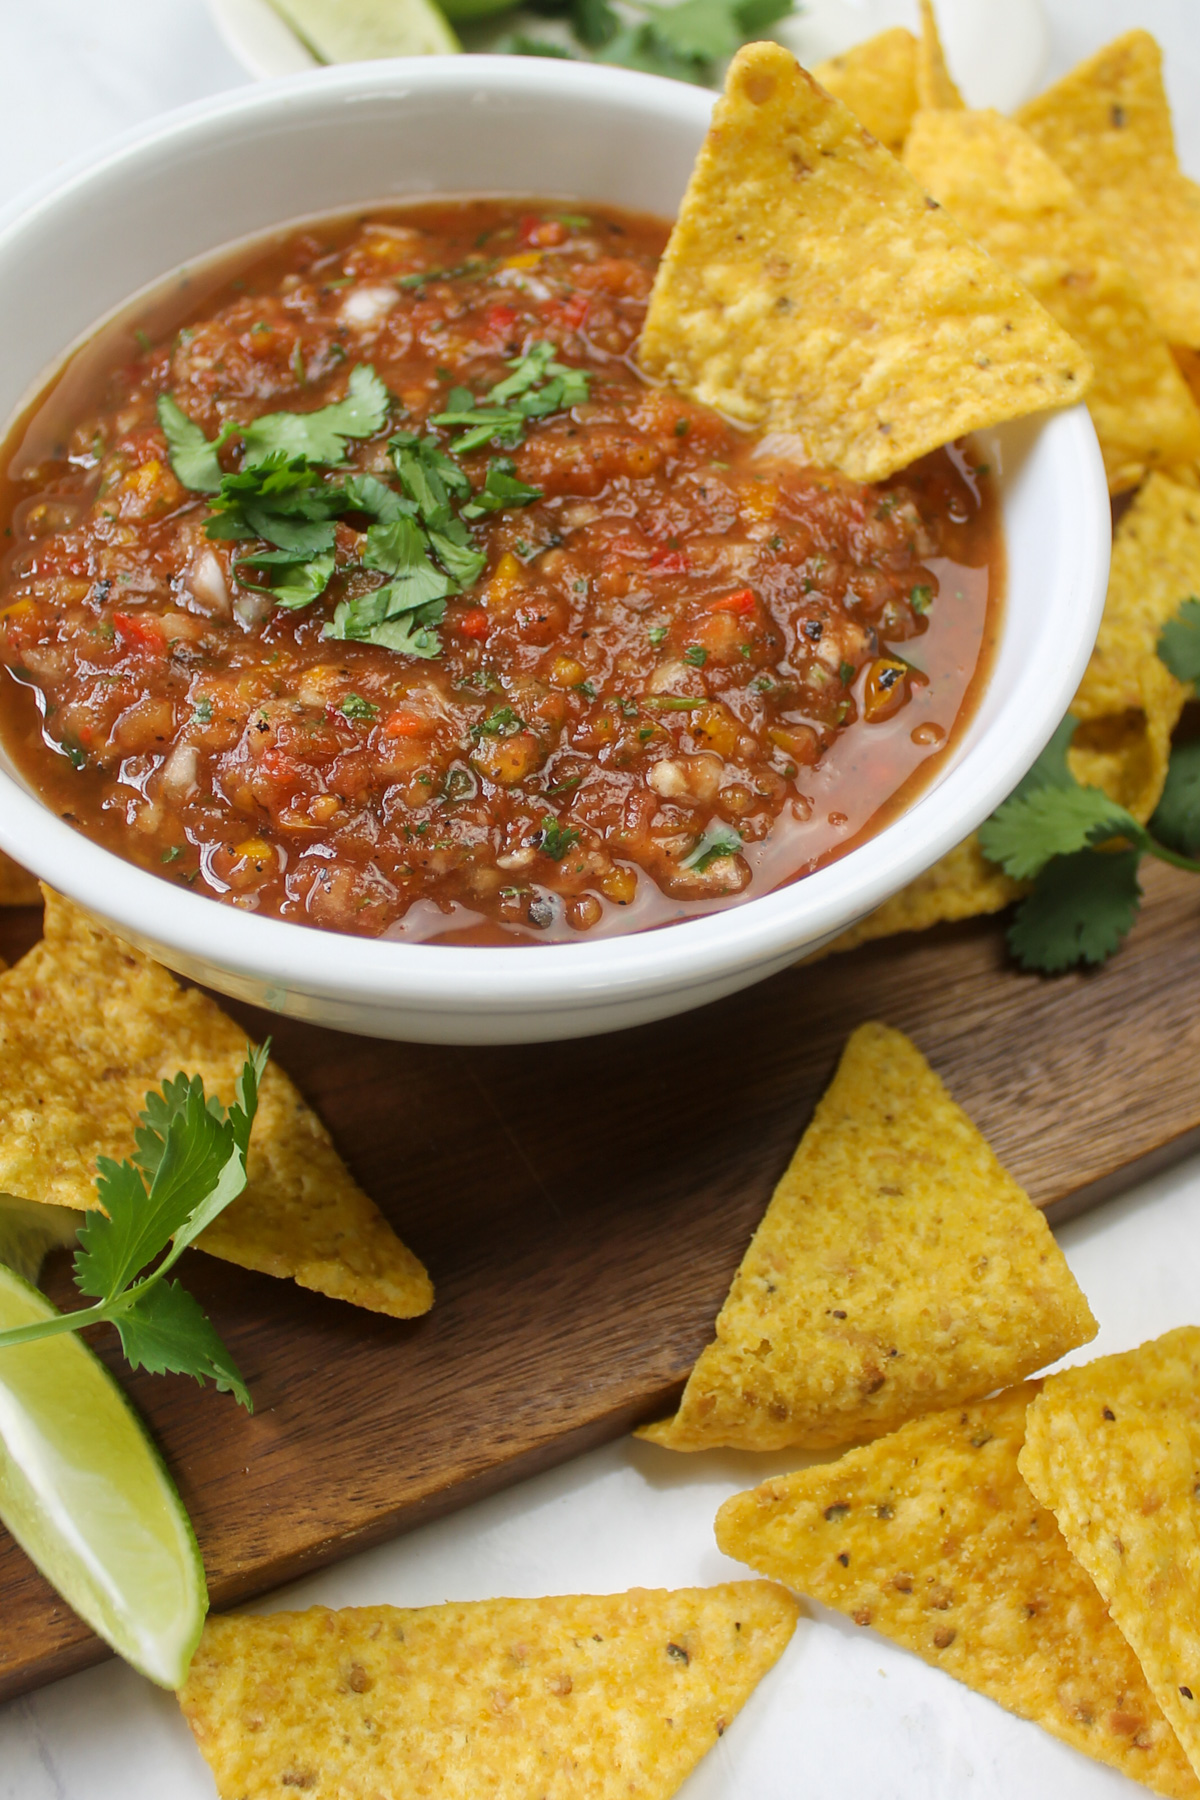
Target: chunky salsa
<point>379,591</point>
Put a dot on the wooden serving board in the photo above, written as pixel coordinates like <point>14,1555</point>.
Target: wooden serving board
<point>582,1208</point>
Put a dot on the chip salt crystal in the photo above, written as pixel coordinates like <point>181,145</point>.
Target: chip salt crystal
<point>809,286</point>
<point>932,1537</point>
<point>1015,201</point>
<point>897,1268</point>
<point>604,1696</point>
<point>877,80</point>
<point>1107,124</point>
<point>935,85</point>
<point>87,1025</point>
<point>1113,1449</point>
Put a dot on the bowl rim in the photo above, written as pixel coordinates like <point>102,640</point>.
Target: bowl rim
<point>381,974</point>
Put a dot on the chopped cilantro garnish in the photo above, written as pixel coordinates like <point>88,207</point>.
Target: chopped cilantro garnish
<point>656,634</point>
<point>921,599</point>
<point>553,839</point>
<point>355,707</point>
<point>537,387</point>
<point>696,654</point>
<point>716,841</point>
<point>503,722</point>
<point>846,672</point>
<point>202,711</point>
<point>1179,642</point>
<point>172,855</point>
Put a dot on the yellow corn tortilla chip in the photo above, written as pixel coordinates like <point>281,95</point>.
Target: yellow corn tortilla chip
<point>809,287</point>
<point>593,1695</point>
<point>932,1537</point>
<point>935,84</point>
<point>17,886</point>
<point>1013,200</point>
<point>1128,701</point>
<point>962,885</point>
<point>87,1026</point>
<point>877,80</point>
<point>1107,125</point>
<point>897,1268</point>
<point>1113,1448</point>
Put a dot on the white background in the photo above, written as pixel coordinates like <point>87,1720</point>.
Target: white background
<point>844,1714</point>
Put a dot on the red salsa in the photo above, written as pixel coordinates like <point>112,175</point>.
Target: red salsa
<point>366,583</point>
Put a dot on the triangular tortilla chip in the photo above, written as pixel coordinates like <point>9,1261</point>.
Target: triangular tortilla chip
<point>600,1696</point>
<point>932,1537</point>
<point>87,1025</point>
<point>810,287</point>
<point>935,84</point>
<point>877,80</point>
<point>897,1268</point>
<point>1013,200</point>
<point>1108,126</point>
<point>1128,701</point>
<point>1113,1448</point>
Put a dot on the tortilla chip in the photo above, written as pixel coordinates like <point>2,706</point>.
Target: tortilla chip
<point>1189,367</point>
<point>809,287</point>
<point>932,1537</point>
<point>1108,126</point>
<point>87,1026</point>
<point>1113,1448</point>
<point>935,84</point>
<point>1014,201</point>
<point>590,1695</point>
<point>962,885</point>
<point>1129,701</point>
<point>898,1268</point>
<point>877,80</point>
<point>17,886</point>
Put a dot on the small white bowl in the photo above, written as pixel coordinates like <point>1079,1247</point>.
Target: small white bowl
<point>246,162</point>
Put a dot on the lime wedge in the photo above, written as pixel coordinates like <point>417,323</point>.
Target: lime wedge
<point>360,30</point>
<point>28,1231</point>
<point>85,1494</point>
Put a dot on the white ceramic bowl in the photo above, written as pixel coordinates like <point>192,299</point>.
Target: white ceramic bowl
<point>249,161</point>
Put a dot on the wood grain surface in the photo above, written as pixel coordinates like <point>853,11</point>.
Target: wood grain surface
<point>582,1208</point>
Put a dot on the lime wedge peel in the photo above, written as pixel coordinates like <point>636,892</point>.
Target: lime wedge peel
<point>85,1493</point>
<point>339,31</point>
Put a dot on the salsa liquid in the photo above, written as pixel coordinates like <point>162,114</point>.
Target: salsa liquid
<point>690,670</point>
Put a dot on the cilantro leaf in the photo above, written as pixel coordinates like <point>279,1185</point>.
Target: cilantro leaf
<point>1176,820</point>
<point>716,841</point>
<point>1080,910</point>
<point>500,489</point>
<point>756,16</point>
<point>1028,830</point>
<point>519,43</point>
<point>193,458</point>
<point>169,1333</point>
<point>320,437</point>
<point>553,839</point>
<point>595,22</point>
<point>1179,642</point>
<point>284,502</point>
<point>189,1163</point>
<point>697,30</point>
<point>366,493</point>
<point>304,581</point>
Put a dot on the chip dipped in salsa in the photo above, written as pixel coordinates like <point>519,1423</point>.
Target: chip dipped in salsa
<point>367,583</point>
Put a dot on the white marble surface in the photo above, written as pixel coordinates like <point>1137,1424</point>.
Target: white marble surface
<point>844,1714</point>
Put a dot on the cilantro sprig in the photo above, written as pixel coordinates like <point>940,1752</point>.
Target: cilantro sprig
<point>688,40</point>
<point>281,503</point>
<point>1084,898</point>
<point>189,1163</point>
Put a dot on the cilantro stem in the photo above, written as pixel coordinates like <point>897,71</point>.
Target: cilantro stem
<point>1170,856</point>
<point>45,1328</point>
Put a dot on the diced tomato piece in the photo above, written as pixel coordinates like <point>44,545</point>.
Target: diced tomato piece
<point>404,723</point>
<point>500,321</point>
<point>575,310</point>
<point>668,562</point>
<point>742,602</point>
<point>474,623</point>
<point>540,234</point>
<point>141,633</point>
